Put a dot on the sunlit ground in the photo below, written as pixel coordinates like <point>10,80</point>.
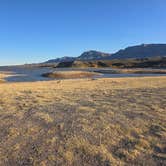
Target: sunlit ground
<point>113,121</point>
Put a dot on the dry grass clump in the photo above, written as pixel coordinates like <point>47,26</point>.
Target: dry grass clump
<point>70,74</point>
<point>104,122</point>
<point>133,71</point>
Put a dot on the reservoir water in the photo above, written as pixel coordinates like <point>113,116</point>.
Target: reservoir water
<point>30,74</point>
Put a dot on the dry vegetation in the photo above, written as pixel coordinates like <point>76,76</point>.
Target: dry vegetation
<point>153,62</point>
<point>142,71</point>
<point>133,71</point>
<point>86,122</point>
<point>70,74</point>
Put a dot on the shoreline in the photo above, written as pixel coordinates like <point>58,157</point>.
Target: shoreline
<point>48,74</point>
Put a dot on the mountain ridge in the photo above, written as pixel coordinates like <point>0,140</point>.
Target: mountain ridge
<point>132,52</point>
<point>93,55</point>
<point>141,51</point>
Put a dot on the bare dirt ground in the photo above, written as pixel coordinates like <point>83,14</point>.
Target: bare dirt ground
<point>113,121</point>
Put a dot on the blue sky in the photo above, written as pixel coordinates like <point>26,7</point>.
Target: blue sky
<point>38,30</point>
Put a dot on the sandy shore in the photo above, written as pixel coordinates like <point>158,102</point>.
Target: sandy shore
<point>92,122</point>
<point>3,76</point>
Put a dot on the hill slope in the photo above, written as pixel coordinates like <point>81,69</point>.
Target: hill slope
<point>93,55</point>
<point>63,59</point>
<point>153,62</point>
<point>141,51</point>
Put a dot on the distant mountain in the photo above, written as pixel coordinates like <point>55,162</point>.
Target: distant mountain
<point>141,51</point>
<point>134,52</point>
<point>63,59</point>
<point>86,56</point>
<point>93,55</point>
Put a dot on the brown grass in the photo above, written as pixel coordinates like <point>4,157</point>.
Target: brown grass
<point>133,71</point>
<point>87,122</point>
<point>70,74</point>
<point>143,71</point>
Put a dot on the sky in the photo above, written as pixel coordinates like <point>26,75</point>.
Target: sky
<point>37,30</point>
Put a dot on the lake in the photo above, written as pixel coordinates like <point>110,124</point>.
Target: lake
<point>30,74</point>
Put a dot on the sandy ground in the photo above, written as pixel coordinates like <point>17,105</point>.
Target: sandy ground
<point>4,75</point>
<point>113,121</point>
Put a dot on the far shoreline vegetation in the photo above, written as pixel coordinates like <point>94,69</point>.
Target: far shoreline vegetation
<point>155,62</point>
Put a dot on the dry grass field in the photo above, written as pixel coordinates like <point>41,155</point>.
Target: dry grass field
<point>84,122</point>
<point>142,71</point>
